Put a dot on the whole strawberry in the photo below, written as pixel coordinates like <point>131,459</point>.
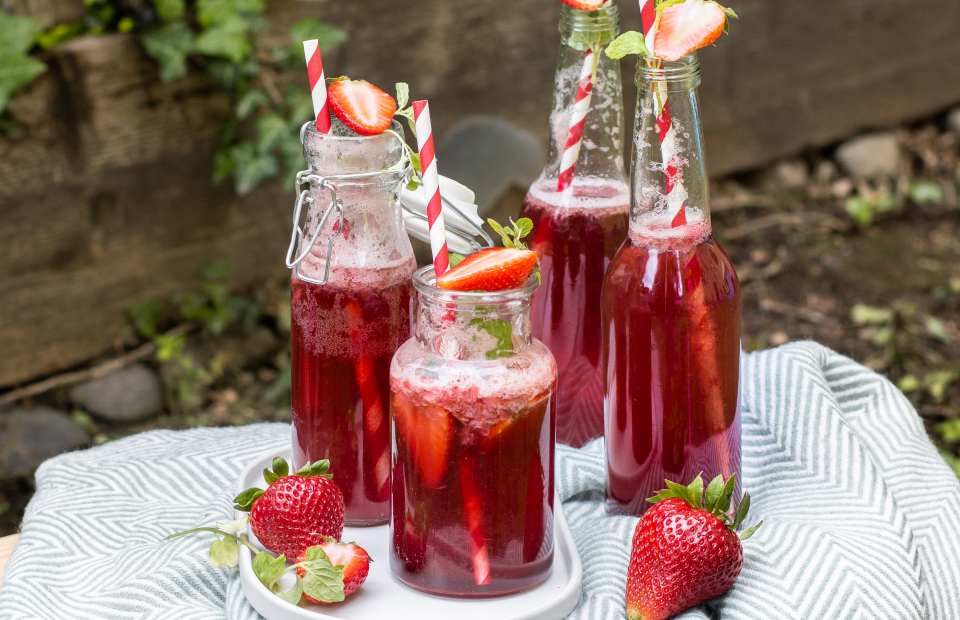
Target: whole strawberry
<point>350,558</point>
<point>296,511</point>
<point>685,549</point>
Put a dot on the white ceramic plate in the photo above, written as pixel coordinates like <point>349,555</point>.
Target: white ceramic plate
<point>385,596</point>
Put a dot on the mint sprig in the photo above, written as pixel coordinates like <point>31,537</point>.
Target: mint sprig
<point>500,329</point>
<point>716,501</point>
<point>512,235</point>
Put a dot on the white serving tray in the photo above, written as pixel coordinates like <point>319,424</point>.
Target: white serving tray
<point>385,596</point>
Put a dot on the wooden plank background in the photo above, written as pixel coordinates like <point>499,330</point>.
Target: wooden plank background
<point>105,196</point>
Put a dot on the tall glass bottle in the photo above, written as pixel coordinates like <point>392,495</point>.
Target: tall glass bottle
<point>578,228</point>
<point>350,311</point>
<point>671,310</point>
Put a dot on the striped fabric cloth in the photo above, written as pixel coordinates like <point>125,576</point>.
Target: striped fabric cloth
<point>862,518</point>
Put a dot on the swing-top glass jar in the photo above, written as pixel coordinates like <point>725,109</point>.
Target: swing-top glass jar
<point>350,309</point>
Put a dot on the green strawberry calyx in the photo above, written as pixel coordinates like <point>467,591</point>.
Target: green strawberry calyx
<point>245,500</point>
<point>716,500</point>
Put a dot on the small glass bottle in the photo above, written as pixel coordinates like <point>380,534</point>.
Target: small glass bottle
<point>350,311</point>
<point>671,312</point>
<point>473,412</point>
<point>577,229</point>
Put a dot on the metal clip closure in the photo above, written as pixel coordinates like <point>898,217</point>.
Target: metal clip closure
<point>296,237</point>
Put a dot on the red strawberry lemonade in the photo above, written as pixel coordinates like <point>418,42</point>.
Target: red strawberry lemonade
<point>473,410</point>
<point>673,374</point>
<point>347,323</point>
<point>576,234</point>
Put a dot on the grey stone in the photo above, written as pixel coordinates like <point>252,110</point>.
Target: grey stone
<point>953,120</point>
<point>871,156</point>
<point>131,394</point>
<point>790,174</point>
<point>489,155</point>
<point>31,435</point>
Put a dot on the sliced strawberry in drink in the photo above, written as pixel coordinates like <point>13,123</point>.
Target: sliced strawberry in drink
<point>426,430</point>
<point>473,515</point>
<point>686,27</point>
<point>492,269</point>
<point>361,106</point>
<point>376,436</point>
<point>584,5</point>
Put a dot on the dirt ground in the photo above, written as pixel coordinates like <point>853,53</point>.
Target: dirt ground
<point>870,269</point>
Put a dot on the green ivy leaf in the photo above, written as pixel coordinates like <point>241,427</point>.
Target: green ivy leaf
<point>61,33</point>
<point>226,39</point>
<point>16,69</point>
<point>170,10</point>
<point>211,12</point>
<point>224,552</point>
<point>328,36</point>
<point>250,101</point>
<point>631,42</point>
<point>251,167</point>
<point>500,329</point>
<point>18,33</point>
<point>323,581</point>
<point>271,130</point>
<point>170,45</point>
<point>222,164</point>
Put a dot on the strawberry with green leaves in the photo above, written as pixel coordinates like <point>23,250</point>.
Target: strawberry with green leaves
<point>296,511</point>
<point>681,27</point>
<point>349,559</point>
<point>361,106</point>
<point>494,269</point>
<point>685,549</point>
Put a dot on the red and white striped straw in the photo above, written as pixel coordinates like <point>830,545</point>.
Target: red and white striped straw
<point>578,121</point>
<point>318,85</point>
<point>431,187</point>
<point>676,193</point>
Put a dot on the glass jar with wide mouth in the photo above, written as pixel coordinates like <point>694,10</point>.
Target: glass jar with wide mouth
<point>472,397</point>
<point>350,293</point>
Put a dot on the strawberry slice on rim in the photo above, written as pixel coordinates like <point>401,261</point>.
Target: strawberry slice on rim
<point>427,430</point>
<point>584,5</point>
<point>687,26</point>
<point>361,106</point>
<point>492,269</point>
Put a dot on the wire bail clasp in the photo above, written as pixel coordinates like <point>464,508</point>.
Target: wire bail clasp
<point>297,235</point>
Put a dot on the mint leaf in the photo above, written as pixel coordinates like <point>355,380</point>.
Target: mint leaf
<point>500,329</point>
<point>521,228</point>
<point>507,243</point>
<point>323,581</point>
<point>224,552</point>
<point>268,568</point>
<point>631,42</point>
<point>403,95</point>
<point>454,259</point>
<point>293,595</point>
<point>170,45</point>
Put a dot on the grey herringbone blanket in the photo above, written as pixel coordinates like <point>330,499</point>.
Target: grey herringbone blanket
<point>862,518</point>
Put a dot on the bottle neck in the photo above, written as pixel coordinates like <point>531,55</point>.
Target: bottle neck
<point>670,188</point>
<point>472,326</point>
<point>364,175</point>
<point>581,59</point>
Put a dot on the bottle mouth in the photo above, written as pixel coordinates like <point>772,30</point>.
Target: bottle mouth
<point>424,280</point>
<point>653,69</point>
<point>603,19</point>
<point>377,157</point>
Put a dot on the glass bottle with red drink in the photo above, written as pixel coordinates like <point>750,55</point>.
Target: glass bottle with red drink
<point>473,412</point>
<point>350,311</point>
<point>579,207</point>
<point>671,309</point>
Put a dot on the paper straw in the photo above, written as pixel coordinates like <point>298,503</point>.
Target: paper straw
<point>676,193</point>
<point>318,85</point>
<point>431,187</point>
<point>578,120</point>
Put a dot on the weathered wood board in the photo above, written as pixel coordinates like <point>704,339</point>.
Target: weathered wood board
<point>105,196</point>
